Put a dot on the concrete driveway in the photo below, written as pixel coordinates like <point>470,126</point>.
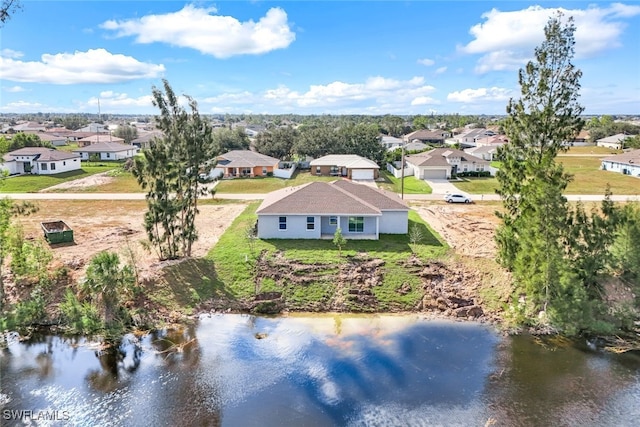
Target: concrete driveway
<point>441,186</point>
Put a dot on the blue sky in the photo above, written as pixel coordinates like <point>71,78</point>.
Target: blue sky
<point>306,57</point>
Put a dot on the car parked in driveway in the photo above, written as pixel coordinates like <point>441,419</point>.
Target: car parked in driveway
<point>456,198</point>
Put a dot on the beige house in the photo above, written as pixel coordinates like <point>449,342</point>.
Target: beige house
<point>615,142</point>
<point>442,163</point>
<point>347,165</point>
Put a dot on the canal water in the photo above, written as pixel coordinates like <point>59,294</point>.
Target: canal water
<point>239,370</point>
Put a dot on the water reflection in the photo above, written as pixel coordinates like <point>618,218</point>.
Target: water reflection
<point>321,371</point>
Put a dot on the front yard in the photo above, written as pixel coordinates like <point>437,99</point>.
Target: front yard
<point>310,275</point>
<point>260,185</point>
<point>35,183</point>
<point>412,185</point>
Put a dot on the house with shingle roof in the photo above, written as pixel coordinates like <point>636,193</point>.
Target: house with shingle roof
<point>98,138</point>
<point>626,163</point>
<point>427,136</point>
<point>348,165</point>
<point>39,161</point>
<point>442,163</point>
<point>246,163</point>
<point>615,142</point>
<point>107,151</point>
<point>315,210</point>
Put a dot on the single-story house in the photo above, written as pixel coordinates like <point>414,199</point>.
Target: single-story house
<point>415,146</point>
<point>107,151</point>
<point>427,136</point>
<point>348,165</point>
<point>471,137</point>
<point>485,152</point>
<point>144,138</point>
<point>39,161</point>
<point>53,139</point>
<point>615,142</point>
<point>442,163</point>
<point>390,142</point>
<point>98,138</point>
<point>315,210</point>
<point>626,163</point>
<point>246,163</point>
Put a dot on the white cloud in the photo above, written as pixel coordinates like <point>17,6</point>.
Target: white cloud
<point>15,89</point>
<point>376,95</point>
<point>113,102</point>
<point>23,107</point>
<point>441,70</point>
<point>217,35</point>
<point>469,96</point>
<point>426,62</point>
<point>10,53</point>
<point>507,39</point>
<point>92,66</point>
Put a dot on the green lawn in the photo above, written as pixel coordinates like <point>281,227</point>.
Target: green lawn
<point>591,149</point>
<point>35,183</point>
<point>412,185</point>
<point>259,185</point>
<point>588,179</point>
<point>235,260</point>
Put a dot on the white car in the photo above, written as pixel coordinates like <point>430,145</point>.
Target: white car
<point>457,198</point>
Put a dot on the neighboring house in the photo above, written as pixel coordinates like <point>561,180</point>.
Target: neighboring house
<point>415,146</point>
<point>470,138</point>
<point>40,161</point>
<point>95,139</point>
<point>427,136</point>
<point>53,139</point>
<point>107,151</point>
<point>29,127</point>
<point>491,140</point>
<point>442,163</point>
<point>144,138</point>
<point>390,142</point>
<point>615,142</point>
<point>348,165</point>
<point>583,136</point>
<point>317,209</point>
<point>626,163</point>
<point>246,163</point>
<point>94,128</point>
<point>485,152</point>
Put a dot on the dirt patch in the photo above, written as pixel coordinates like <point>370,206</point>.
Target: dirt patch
<point>89,181</point>
<point>118,226</point>
<point>468,229</point>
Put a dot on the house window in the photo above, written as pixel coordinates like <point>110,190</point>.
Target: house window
<point>333,220</point>
<point>264,170</point>
<point>246,171</point>
<point>318,170</point>
<point>311,223</point>
<point>465,168</point>
<point>108,155</point>
<point>335,170</point>
<point>64,163</point>
<point>53,166</point>
<point>356,224</point>
<point>282,221</point>
<point>43,166</point>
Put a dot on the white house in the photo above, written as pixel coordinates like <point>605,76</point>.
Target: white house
<point>626,163</point>
<point>40,161</point>
<point>107,151</point>
<point>390,142</point>
<point>348,165</point>
<point>485,152</point>
<point>615,141</point>
<point>317,209</point>
<point>442,163</point>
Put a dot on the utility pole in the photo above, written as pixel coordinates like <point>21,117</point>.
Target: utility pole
<point>402,173</point>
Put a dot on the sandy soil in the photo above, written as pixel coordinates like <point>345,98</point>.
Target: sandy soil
<point>469,229</point>
<point>118,225</point>
<point>89,181</point>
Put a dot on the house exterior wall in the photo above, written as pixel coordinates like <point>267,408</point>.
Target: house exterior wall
<point>613,145</point>
<point>633,170</point>
<point>10,167</point>
<point>269,227</point>
<point>375,172</point>
<point>119,155</point>
<point>60,167</point>
<point>394,222</point>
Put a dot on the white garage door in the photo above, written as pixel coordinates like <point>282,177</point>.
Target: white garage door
<point>434,174</point>
<point>362,174</point>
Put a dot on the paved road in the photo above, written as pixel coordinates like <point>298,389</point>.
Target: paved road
<point>140,196</point>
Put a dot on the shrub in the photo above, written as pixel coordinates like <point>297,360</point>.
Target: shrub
<point>81,317</point>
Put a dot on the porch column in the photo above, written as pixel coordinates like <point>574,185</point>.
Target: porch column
<point>377,227</point>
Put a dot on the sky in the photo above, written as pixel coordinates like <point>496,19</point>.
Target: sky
<point>306,57</point>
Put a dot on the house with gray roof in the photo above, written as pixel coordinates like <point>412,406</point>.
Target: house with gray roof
<point>107,151</point>
<point>615,142</point>
<point>347,165</point>
<point>442,163</point>
<point>427,136</point>
<point>486,152</point>
<point>246,163</point>
<point>627,163</point>
<point>315,210</point>
<point>39,161</point>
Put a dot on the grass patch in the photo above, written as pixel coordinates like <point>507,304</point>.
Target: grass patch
<point>35,183</point>
<point>591,149</point>
<point>260,185</point>
<point>473,185</point>
<point>412,185</point>
<point>236,261</point>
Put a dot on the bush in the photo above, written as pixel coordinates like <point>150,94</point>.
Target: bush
<point>476,174</point>
<point>30,311</point>
<point>81,317</point>
<point>269,174</point>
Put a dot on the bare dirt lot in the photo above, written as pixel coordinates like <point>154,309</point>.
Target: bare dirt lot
<point>468,229</point>
<point>89,181</point>
<point>116,225</point>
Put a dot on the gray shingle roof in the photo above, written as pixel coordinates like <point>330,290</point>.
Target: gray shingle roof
<point>246,159</point>
<point>45,154</point>
<point>629,158</point>
<point>336,198</point>
<point>351,161</point>
<point>438,157</point>
<point>105,147</point>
